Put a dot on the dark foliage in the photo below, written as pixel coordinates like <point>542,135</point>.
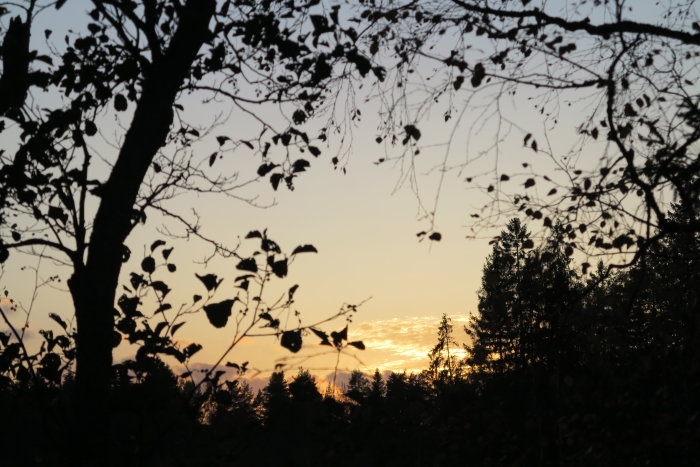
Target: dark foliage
<point>560,372</point>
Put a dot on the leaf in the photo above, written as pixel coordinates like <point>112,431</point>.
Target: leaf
<point>148,264</point>
<point>59,320</point>
<point>275,180</point>
<point>534,145</point>
<point>254,234</point>
<point>359,344</point>
<point>504,178</point>
<point>222,140</point>
<point>314,151</point>
<point>90,128</point>
<point>339,337</point>
<point>435,236</point>
<point>161,287</point>
<point>212,158</point>
<point>412,132</point>
<point>120,103</point>
<point>157,244</point>
<point>248,264</point>
<point>584,267</point>
<point>175,327</point>
<point>210,281</point>
<point>166,253</point>
<point>304,249</point>
<point>458,82</point>
<point>291,340</point>
<point>218,313</point>
<point>280,267</point>
<point>192,349</point>
<point>478,75</point>
<point>300,165</point>
<point>266,169</point>
<point>529,182</point>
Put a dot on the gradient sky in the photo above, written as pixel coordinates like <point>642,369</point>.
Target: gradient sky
<point>363,223</point>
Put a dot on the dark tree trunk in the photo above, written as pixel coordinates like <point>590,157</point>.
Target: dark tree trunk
<point>93,286</point>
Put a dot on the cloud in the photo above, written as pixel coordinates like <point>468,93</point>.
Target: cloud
<point>403,343</point>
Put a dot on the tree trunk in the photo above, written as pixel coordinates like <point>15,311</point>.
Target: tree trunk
<point>93,287</point>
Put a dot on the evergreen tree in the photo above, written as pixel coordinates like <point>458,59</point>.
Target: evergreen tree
<point>443,365</point>
<point>276,398</point>
<point>358,387</point>
<point>303,389</point>
<point>496,331</point>
<point>527,305</point>
<point>377,388</point>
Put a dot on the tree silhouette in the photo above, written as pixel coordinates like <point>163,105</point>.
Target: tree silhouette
<point>134,62</point>
<point>631,83</point>
<point>358,388</point>
<point>444,366</point>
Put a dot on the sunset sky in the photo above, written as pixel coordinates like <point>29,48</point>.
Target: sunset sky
<point>363,223</point>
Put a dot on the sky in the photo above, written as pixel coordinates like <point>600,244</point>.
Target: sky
<point>363,221</point>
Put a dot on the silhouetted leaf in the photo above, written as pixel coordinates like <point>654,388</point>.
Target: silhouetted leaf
<point>218,313</point>
<point>458,82</point>
<point>279,267</point>
<point>478,75</point>
<point>166,253</point>
<point>248,264</point>
<point>359,344</point>
<point>175,327</point>
<point>435,236</point>
<point>90,128</point>
<point>58,319</point>
<point>148,264</point>
<point>161,287</point>
<point>275,180</point>
<point>291,340</point>
<point>210,281</point>
<point>529,182</point>
<point>412,132</point>
<point>120,103</point>
<point>584,267</point>
<point>300,165</point>
<point>314,151</point>
<point>254,234</point>
<point>171,267</point>
<point>304,249</point>
<point>156,244</point>
<point>222,140</point>
<point>339,337</point>
<point>266,169</point>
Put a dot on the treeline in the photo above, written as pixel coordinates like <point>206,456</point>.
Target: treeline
<point>562,369</point>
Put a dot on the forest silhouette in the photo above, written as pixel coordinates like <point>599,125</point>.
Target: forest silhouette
<point>560,370</point>
<point>102,107</point>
